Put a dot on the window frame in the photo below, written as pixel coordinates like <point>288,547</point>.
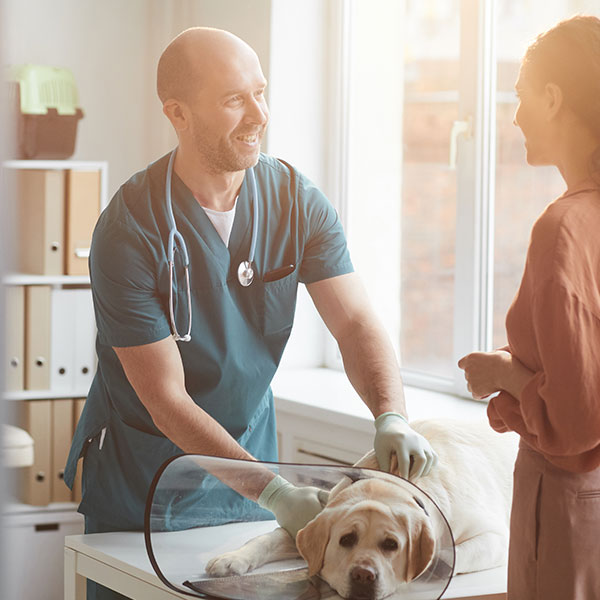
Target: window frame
<point>475,167</point>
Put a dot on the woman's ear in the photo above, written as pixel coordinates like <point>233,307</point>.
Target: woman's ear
<point>177,113</point>
<point>553,98</point>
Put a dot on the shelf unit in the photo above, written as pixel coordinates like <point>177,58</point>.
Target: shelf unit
<point>44,527</point>
<point>25,279</point>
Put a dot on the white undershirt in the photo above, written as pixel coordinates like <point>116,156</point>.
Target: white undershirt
<point>222,221</point>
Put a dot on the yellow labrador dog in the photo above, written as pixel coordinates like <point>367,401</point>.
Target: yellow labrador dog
<point>375,535</point>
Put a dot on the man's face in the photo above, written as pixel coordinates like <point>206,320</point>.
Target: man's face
<point>230,114</point>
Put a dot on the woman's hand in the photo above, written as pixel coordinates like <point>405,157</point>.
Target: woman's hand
<point>484,371</point>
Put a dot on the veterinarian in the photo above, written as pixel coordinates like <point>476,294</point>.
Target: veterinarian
<point>549,374</point>
<point>253,228</point>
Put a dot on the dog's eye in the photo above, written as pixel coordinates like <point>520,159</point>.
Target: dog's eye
<point>348,540</point>
<point>389,544</point>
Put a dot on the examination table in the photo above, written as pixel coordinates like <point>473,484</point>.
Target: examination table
<point>120,561</point>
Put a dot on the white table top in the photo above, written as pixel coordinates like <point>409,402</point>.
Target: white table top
<point>183,555</point>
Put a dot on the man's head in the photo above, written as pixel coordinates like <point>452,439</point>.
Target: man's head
<point>212,89</point>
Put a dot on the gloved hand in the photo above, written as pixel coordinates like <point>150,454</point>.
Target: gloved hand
<point>292,506</point>
<point>394,435</point>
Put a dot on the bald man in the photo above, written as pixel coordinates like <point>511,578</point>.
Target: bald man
<point>160,389</point>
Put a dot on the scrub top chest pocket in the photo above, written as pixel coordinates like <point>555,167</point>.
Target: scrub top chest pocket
<point>278,304</point>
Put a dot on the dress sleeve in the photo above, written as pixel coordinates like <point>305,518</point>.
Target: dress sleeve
<point>559,411</point>
<point>325,251</point>
<point>128,309</point>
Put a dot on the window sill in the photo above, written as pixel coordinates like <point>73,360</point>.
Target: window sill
<point>327,394</point>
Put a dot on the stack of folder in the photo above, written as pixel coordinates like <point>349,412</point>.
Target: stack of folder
<point>50,341</point>
<point>57,211</point>
<point>51,424</point>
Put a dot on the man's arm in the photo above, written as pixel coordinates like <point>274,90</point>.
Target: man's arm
<point>373,371</point>
<point>369,359</point>
<point>155,372</point>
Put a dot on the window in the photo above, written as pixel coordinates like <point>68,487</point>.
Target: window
<point>439,200</point>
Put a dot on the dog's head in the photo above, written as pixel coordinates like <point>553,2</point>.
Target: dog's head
<point>372,536</point>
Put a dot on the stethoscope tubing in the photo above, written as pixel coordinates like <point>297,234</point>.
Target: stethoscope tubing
<point>173,231</point>
<point>252,178</point>
<point>176,241</point>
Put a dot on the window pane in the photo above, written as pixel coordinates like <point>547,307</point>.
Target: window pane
<point>429,185</point>
<point>522,191</point>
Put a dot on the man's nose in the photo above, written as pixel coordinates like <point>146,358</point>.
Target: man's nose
<point>258,111</point>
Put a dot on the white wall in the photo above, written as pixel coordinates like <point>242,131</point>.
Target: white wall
<point>297,133</point>
<point>105,45</point>
<point>374,141</point>
<point>113,47</point>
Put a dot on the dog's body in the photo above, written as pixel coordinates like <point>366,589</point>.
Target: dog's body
<point>373,536</point>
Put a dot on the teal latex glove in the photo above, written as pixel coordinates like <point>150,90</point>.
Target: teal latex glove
<point>395,436</point>
<point>292,506</point>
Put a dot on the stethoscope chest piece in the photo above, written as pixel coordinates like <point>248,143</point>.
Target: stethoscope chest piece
<point>245,273</point>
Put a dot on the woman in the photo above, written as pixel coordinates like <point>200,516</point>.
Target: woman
<point>549,374</point>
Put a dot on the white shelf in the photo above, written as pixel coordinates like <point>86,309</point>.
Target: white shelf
<point>43,394</point>
<point>73,165</point>
<point>27,279</point>
<point>14,507</point>
<point>56,164</point>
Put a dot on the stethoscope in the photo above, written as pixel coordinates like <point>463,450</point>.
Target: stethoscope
<point>245,271</point>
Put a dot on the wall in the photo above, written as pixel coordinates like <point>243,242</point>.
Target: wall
<point>112,47</point>
<point>298,133</point>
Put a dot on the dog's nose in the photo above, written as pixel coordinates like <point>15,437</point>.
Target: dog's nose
<point>363,575</point>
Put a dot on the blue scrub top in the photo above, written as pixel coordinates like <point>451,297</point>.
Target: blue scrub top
<point>238,334</point>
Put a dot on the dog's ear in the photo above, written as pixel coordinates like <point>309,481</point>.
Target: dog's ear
<point>420,544</point>
<point>312,540</point>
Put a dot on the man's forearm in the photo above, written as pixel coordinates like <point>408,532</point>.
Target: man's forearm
<point>196,432</point>
<point>371,366</point>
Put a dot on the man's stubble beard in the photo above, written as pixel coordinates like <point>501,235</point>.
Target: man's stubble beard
<point>220,157</point>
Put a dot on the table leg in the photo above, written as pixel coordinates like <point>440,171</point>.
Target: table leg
<point>75,584</point>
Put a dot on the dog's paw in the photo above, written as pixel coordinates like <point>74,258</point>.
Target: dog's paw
<point>230,563</point>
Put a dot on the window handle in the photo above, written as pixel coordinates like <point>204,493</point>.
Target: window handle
<point>464,128</point>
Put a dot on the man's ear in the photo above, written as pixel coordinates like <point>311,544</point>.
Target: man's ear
<point>553,97</point>
<point>312,540</point>
<point>177,113</point>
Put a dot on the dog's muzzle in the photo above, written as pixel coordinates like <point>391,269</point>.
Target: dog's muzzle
<point>363,583</point>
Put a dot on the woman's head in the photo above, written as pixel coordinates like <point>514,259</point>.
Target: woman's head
<point>560,75</point>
